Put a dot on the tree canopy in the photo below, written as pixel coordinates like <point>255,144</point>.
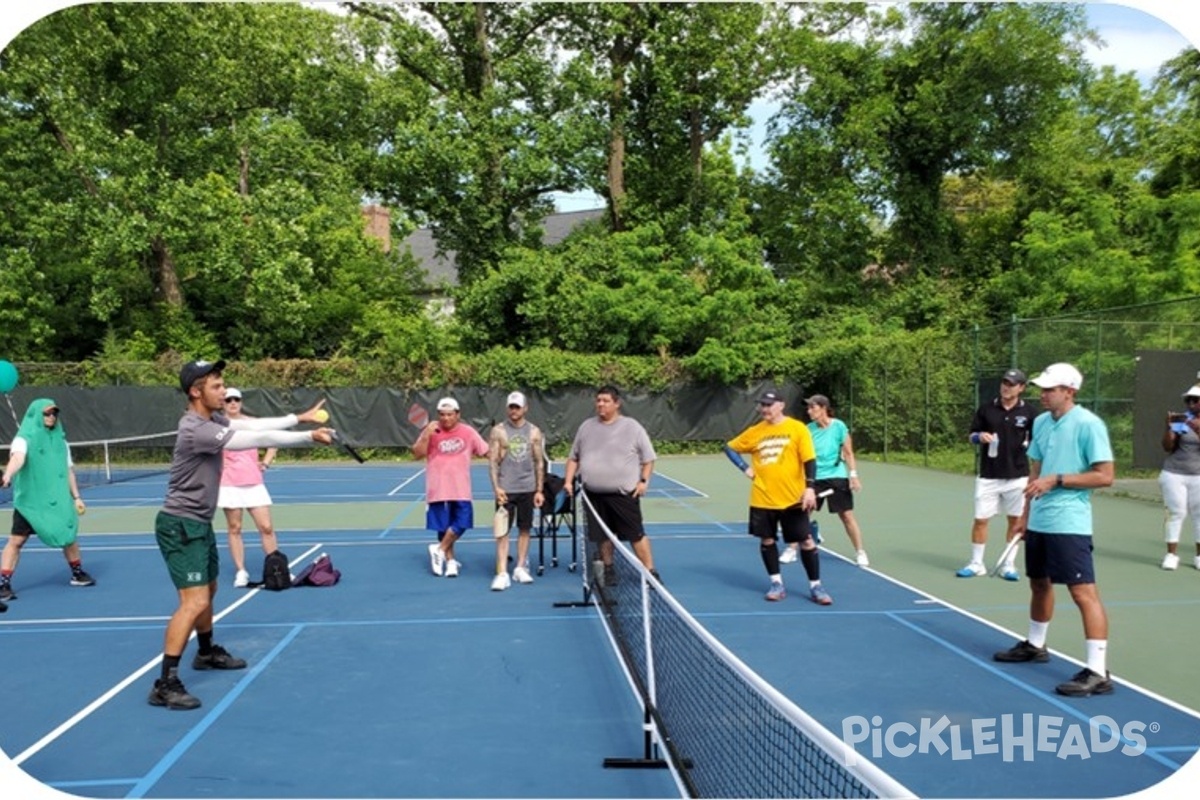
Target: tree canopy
<point>190,178</point>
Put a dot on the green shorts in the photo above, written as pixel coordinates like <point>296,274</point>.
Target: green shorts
<point>190,549</point>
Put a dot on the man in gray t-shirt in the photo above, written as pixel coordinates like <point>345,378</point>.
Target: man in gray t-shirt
<point>614,458</point>
<point>183,528</point>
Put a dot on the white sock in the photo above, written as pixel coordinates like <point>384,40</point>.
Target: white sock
<point>977,553</point>
<point>1037,633</point>
<point>1097,650</point>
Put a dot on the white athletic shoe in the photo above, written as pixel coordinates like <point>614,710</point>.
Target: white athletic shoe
<point>972,570</point>
<point>789,555</point>
<point>241,580</point>
<point>437,560</point>
<point>1170,561</point>
<point>521,575</point>
<point>501,582</point>
<point>1196,562</point>
<point>861,559</point>
<point>452,568</point>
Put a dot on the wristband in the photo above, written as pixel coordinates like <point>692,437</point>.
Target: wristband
<point>853,473</point>
<point>641,480</point>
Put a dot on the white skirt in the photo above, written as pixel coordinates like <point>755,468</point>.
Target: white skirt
<point>243,496</point>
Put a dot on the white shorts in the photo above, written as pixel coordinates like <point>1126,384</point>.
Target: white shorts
<point>243,496</point>
<point>993,495</point>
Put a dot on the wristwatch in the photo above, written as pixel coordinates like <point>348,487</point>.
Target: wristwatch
<point>1059,482</point>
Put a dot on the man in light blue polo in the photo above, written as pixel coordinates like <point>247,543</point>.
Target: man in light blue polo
<point>1070,455</point>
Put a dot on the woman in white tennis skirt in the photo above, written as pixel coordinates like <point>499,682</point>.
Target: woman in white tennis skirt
<point>243,489</point>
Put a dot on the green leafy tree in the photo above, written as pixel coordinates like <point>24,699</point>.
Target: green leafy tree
<point>195,191</point>
<point>494,131</point>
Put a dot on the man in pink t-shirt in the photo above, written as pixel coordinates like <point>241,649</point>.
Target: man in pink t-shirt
<point>447,447</point>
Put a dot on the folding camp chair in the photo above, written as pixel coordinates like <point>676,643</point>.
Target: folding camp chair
<point>557,513</point>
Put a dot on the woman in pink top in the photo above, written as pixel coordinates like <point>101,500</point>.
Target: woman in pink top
<point>242,487</point>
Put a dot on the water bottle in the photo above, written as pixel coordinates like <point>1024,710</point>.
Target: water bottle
<point>994,446</point>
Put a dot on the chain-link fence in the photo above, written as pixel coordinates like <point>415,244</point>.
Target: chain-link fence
<point>919,395</point>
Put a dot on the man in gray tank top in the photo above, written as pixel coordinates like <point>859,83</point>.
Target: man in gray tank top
<point>517,465</point>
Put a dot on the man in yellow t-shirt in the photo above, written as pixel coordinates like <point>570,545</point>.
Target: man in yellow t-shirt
<point>782,468</point>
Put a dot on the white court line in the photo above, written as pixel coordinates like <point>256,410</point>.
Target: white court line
<point>87,710</point>
<point>932,598</point>
<point>418,474</point>
<point>78,621</point>
<point>680,483</point>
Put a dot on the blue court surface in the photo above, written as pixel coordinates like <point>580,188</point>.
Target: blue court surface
<point>396,683</point>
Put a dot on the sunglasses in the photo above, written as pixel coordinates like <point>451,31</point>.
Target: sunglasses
<point>233,399</point>
<point>1191,399</point>
<point>50,412</point>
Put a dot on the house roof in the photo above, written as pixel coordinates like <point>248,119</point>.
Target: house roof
<point>442,269</point>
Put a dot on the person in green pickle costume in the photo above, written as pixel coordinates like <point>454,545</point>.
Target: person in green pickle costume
<point>46,499</point>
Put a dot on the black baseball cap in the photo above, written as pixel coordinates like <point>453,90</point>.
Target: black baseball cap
<point>770,396</point>
<point>195,370</point>
<point>1014,376</point>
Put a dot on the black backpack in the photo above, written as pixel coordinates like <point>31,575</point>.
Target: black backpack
<point>276,573</point>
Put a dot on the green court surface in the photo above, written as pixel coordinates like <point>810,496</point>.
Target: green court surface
<point>916,527</point>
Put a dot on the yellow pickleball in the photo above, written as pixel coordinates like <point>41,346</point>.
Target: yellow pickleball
<point>321,416</point>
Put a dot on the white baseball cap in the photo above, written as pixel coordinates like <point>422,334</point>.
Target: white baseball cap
<point>447,404</point>
<point>1060,374</point>
<point>232,393</point>
<point>516,399</point>
<point>1193,392</point>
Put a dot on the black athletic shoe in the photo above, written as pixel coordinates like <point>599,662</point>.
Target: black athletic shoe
<point>1085,683</point>
<point>6,592</point>
<point>3,607</point>
<point>1023,651</point>
<point>217,658</point>
<point>81,578</point>
<point>169,692</point>
<point>657,577</point>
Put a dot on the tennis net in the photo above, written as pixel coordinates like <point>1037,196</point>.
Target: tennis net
<point>722,729</point>
<point>113,460</point>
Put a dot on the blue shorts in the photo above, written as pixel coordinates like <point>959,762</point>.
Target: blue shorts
<point>450,515</point>
<point>1061,557</point>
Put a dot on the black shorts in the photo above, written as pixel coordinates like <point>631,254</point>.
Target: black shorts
<point>841,499</point>
<point>791,521</point>
<point>520,508</point>
<point>621,512</point>
<point>1061,557</point>
<point>21,526</point>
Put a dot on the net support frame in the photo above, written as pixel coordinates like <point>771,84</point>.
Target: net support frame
<point>869,778</point>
